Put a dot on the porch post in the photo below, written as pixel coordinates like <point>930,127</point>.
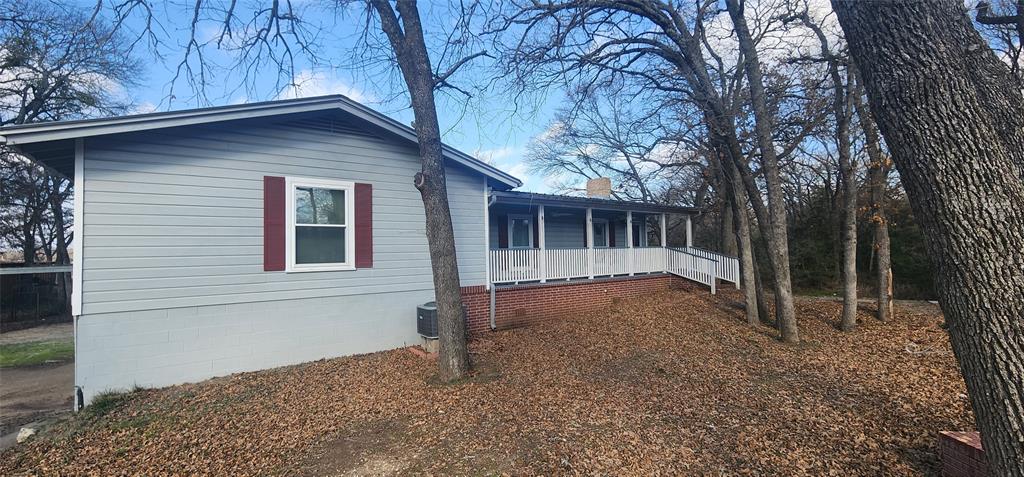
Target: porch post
<point>590,242</point>
<point>540,240</point>
<point>664,246</point>
<point>689,233</point>
<point>664,232</point>
<point>629,241</point>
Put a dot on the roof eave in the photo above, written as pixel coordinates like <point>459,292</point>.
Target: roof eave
<point>526,198</point>
<point>44,132</point>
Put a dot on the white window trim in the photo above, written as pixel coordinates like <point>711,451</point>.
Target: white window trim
<point>529,220</point>
<point>291,183</point>
<point>607,232</point>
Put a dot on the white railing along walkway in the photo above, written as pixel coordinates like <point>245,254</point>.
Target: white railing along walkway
<point>691,266</point>
<point>726,268</point>
<point>533,265</point>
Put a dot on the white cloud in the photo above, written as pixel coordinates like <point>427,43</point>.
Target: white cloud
<point>308,83</point>
<point>494,156</point>
<point>519,169</point>
<point>144,107</point>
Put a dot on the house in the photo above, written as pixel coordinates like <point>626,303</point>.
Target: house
<point>238,238</point>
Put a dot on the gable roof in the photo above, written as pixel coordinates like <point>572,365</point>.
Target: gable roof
<point>63,131</point>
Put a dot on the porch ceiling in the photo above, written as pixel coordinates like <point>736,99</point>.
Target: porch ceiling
<point>534,198</point>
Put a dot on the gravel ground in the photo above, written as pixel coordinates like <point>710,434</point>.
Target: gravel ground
<point>675,383</point>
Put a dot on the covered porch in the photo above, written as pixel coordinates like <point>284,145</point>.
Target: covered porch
<point>541,238</point>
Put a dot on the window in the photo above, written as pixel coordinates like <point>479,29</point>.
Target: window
<point>600,232</point>
<point>520,231</point>
<point>320,235</point>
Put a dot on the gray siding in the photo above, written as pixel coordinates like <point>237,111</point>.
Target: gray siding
<point>173,282</point>
<point>564,232</point>
<point>174,218</point>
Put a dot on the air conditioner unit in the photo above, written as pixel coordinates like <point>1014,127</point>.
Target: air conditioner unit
<point>426,320</point>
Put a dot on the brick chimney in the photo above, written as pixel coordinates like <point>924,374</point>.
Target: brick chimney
<point>600,188</point>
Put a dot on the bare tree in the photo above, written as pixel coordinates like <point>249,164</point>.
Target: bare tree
<point>1003,28</point>
<point>60,63</point>
<point>842,111</point>
<point>405,32</point>
<point>952,118</point>
<point>665,47</point>
<point>879,166</point>
<point>55,63</point>
<point>282,34</point>
<point>599,135</point>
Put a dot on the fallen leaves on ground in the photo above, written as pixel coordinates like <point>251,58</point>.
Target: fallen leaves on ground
<point>674,383</point>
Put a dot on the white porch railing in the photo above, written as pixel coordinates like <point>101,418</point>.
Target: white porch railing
<point>536,265</point>
<point>694,267</point>
<point>727,268</point>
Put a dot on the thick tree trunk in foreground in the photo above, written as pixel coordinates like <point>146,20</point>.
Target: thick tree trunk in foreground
<point>878,181</point>
<point>406,37</point>
<point>955,127</point>
<point>778,243</point>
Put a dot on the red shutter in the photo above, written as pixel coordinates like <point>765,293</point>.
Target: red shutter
<point>611,233</point>
<point>364,225</point>
<point>502,230</point>
<point>273,223</point>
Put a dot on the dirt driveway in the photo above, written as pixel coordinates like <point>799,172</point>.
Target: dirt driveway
<point>671,384</point>
<point>39,392</point>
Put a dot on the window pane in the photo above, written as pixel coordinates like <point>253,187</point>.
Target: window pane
<point>319,206</point>
<point>319,244</point>
<point>520,232</point>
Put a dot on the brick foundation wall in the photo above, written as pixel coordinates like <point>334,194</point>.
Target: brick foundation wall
<point>962,455</point>
<point>522,305</point>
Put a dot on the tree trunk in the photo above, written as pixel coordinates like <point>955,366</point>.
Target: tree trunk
<point>406,37</point>
<point>730,246</point>
<point>954,125</point>
<point>778,243</point>
<point>727,199</point>
<point>878,181</point>
<point>742,227</point>
<point>28,243</point>
<point>848,168</point>
<point>846,200</point>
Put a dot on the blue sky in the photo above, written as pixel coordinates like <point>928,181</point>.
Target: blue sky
<point>489,125</point>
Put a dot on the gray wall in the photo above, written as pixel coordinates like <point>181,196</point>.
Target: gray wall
<point>565,232</point>
<point>173,282</point>
<point>561,230</point>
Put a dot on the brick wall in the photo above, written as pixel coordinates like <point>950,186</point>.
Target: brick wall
<point>521,305</point>
<point>962,455</point>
